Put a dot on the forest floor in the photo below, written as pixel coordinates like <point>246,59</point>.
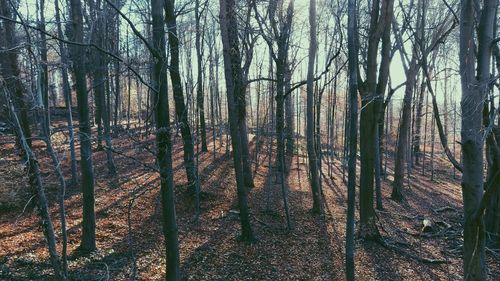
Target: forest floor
<point>129,236</point>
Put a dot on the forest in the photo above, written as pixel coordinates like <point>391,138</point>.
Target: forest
<point>249,140</point>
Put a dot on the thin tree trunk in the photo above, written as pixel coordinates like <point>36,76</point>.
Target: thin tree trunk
<point>404,130</point>
<point>199,90</point>
<point>67,96</point>
<point>352,33</point>
<point>180,107</point>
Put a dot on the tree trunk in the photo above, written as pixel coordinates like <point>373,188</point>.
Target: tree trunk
<point>418,123</point>
<point>352,34</point>
<point>372,92</point>
<point>474,92</point>
<point>367,139</point>
<point>404,130</point>
<point>18,112</point>
<point>289,124</point>
<point>88,243</point>
<point>164,144</point>
<point>99,74</point>
<point>67,97</point>
<point>180,107</point>
<point>311,150</point>
<point>199,90</point>
<point>492,215</point>
<point>235,90</point>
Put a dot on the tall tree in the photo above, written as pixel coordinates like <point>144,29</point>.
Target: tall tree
<point>278,34</point>
<point>411,69</point>
<point>372,93</point>
<point>88,243</point>
<point>352,49</point>
<point>180,107</point>
<point>199,82</point>
<point>311,149</point>
<point>99,71</point>
<point>423,43</point>
<point>13,91</point>
<point>164,143</point>
<point>67,94</point>
<point>235,90</point>
<point>475,59</point>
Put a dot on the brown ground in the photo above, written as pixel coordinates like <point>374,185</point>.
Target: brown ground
<point>312,250</point>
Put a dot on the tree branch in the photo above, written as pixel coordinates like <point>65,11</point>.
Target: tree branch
<point>83,45</point>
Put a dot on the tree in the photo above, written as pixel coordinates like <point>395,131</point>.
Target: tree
<point>423,43</point>
<point>372,93</point>
<point>475,59</point>
<point>199,81</point>
<point>13,90</point>
<point>278,34</point>
<point>99,70</point>
<point>67,95</point>
<point>180,107</point>
<point>235,90</point>
<point>352,49</point>
<point>77,52</point>
<point>164,143</point>
<point>311,149</point>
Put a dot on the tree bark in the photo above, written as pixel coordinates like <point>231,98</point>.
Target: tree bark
<point>474,74</point>
<point>164,144</point>
<point>311,150</point>
<point>67,96</point>
<point>180,107</point>
<point>352,43</point>
<point>404,131</point>
<point>289,124</point>
<point>372,91</point>
<point>199,89</point>
<point>235,90</point>
<point>88,243</point>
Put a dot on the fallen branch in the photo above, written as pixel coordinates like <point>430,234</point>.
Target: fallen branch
<point>444,209</point>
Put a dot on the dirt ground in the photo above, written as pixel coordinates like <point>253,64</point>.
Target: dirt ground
<point>129,236</point>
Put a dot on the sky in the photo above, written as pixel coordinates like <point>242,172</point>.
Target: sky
<point>300,40</point>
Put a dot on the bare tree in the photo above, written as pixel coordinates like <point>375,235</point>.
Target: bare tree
<point>77,52</point>
<point>372,93</point>
<point>311,149</point>
<point>199,56</point>
<point>353,52</point>
<point>475,59</point>
<point>13,91</point>
<point>180,107</point>
<point>235,90</point>
<point>164,143</point>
